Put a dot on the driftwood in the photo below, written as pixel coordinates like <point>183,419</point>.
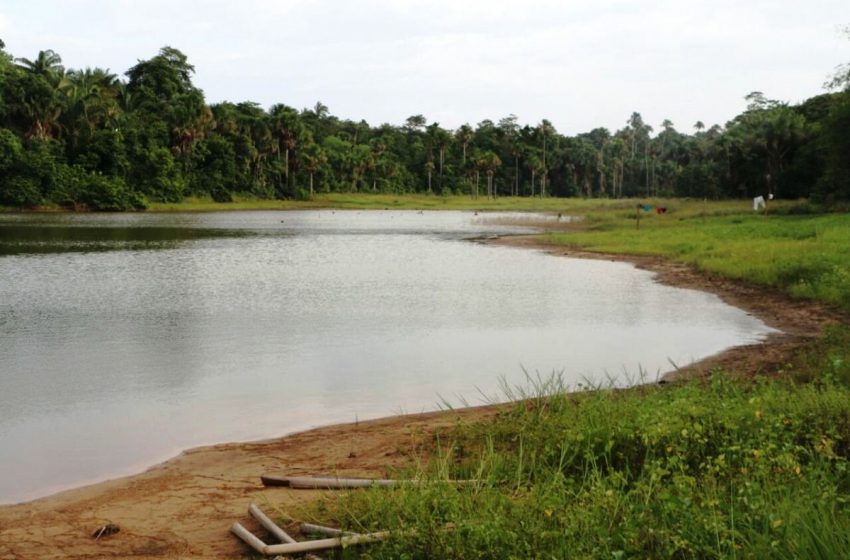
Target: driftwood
<point>322,530</point>
<point>326,483</point>
<point>334,483</point>
<point>325,544</point>
<point>248,537</point>
<point>306,546</point>
<point>269,525</point>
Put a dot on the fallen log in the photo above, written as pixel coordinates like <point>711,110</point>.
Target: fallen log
<point>322,530</point>
<point>248,537</point>
<point>334,483</point>
<point>325,544</point>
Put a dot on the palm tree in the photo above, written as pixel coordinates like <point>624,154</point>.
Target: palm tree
<point>429,167</point>
<point>314,159</point>
<point>441,139</point>
<point>545,128</point>
<point>464,135</point>
<point>379,148</point>
<point>491,162</point>
<point>534,165</point>
<point>91,100</point>
<point>47,64</point>
<point>43,104</point>
<point>516,151</point>
<point>286,127</point>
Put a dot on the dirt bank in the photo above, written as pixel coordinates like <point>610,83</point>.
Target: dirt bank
<point>183,508</point>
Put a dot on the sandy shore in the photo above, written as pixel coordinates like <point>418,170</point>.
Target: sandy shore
<point>183,508</point>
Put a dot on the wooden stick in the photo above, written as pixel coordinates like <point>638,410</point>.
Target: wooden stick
<point>270,525</point>
<point>328,483</point>
<point>324,544</point>
<point>270,480</point>
<point>333,483</point>
<point>307,482</point>
<point>322,530</point>
<point>249,538</point>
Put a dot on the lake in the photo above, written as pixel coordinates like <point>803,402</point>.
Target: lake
<point>125,338</point>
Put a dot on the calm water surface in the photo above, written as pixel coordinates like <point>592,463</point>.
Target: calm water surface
<point>125,338</point>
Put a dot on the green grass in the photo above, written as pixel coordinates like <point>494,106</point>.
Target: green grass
<point>401,201</point>
<point>805,255</point>
<point>716,469</point>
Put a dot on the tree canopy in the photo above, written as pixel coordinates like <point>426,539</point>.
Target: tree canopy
<point>88,138</point>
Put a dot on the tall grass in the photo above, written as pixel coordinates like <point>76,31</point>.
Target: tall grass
<point>704,470</point>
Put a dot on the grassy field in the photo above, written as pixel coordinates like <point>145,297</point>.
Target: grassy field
<point>718,468</point>
<point>710,469</point>
<point>805,255</point>
<point>377,202</point>
<point>722,469</point>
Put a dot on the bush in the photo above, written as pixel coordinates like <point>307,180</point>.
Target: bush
<point>72,186</point>
<point>19,191</point>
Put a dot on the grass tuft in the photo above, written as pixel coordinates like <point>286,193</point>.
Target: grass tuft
<point>716,469</point>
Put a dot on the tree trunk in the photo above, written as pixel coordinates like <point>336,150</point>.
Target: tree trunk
<point>545,169</point>
<point>442,151</point>
<point>516,175</point>
<point>532,182</point>
<point>477,178</point>
<point>311,185</point>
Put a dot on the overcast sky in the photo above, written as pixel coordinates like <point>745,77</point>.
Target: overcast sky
<point>581,64</point>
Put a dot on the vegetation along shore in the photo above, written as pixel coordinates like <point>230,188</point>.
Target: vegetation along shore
<point>745,459</point>
<point>744,455</point>
<point>89,139</point>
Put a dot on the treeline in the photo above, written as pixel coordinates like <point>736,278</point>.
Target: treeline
<point>90,139</point>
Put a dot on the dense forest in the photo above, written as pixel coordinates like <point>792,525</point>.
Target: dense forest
<point>89,139</point>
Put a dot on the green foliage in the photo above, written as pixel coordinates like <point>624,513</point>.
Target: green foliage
<point>835,184</point>
<point>722,469</point>
<point>215,171</point>
<point>73,185</point>
<point>20,192</point>
<point>156,175</point>
<point>155,134</point>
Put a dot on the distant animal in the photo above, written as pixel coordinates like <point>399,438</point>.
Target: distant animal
<point>661,210</point>
<point>758,203</point>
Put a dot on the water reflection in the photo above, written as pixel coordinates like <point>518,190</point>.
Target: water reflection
<point>244,325</point>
